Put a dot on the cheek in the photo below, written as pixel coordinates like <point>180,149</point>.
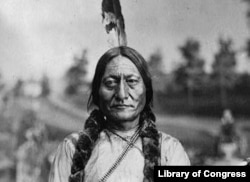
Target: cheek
<point>105,96</point>
<point>142,100</point>
<point>140,97</point>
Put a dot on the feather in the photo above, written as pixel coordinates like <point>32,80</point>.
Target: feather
<point>114,22</point>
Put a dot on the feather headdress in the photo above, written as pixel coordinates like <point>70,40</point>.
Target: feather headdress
<point>114,22</point>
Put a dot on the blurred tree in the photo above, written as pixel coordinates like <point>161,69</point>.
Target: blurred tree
<point>248,47</point>
<point>155,63</point>
<point>223,69</point>
<point>191,73</point>
<point>18,88</point>
<point>20,127</point>
<point>248,21</point>
<point>31,154</point>
<point>248,12</point>
<point>45,84</point>
<point>242,86</point>
<point>1,82</point>
<point>76,75</point>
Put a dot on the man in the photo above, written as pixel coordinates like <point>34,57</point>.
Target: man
<point>120,141</point>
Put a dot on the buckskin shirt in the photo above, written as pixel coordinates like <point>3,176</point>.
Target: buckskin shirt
<point>107,149</point>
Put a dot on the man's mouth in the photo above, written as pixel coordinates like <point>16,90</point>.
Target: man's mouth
<point>121,106</point>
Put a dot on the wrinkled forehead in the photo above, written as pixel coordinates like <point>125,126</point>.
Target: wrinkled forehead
<point>121,66</point>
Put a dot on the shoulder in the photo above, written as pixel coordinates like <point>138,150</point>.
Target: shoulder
<point>168,139</point>
<point>67,147</point>
<point>169,142</point>
<point>172,151</point>
<point>61,166</point>
<point>71,140</point>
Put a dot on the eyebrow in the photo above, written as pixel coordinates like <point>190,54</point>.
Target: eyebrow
<point>119,76</point>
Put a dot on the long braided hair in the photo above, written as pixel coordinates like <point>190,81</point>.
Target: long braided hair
<point>96,121</point>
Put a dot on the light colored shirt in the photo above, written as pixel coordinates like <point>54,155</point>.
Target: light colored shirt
<point>107,149</point>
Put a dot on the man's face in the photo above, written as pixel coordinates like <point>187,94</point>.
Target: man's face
<point>122,91</point>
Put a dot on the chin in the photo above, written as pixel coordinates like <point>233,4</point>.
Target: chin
<point>123,116</point>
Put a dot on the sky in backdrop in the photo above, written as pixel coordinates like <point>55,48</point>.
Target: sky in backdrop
<point>43,36</point>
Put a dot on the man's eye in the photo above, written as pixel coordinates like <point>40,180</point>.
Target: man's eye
<point>132,81</point>
<point>110,83</point>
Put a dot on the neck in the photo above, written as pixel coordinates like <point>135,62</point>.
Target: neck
<point>123,125</point>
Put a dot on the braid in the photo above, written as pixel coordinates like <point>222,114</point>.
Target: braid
<point>92,128</point>
<point>147,114</point>
<point>150,145</point>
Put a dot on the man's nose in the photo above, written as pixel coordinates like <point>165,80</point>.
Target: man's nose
<point>122,91</point>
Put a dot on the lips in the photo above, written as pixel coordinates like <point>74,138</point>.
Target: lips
<point>121,106</point>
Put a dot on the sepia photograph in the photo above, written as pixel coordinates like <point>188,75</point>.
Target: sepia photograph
<point>106,90</point>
